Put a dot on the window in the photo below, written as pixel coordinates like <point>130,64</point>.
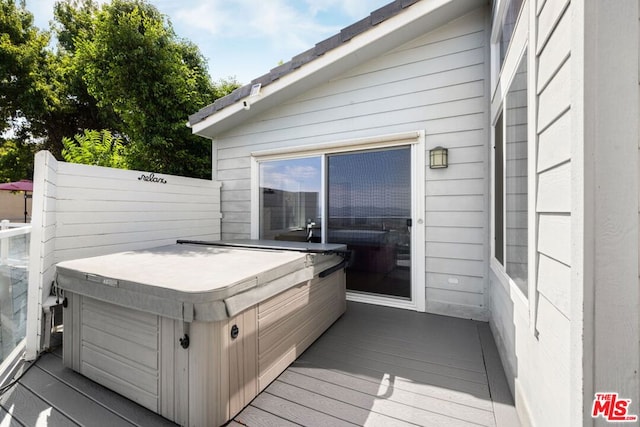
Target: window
<point>516,178</point>
<point>498,207</point>
<point>511,193</point>
<point>290,202</point>
<point>508,26</point>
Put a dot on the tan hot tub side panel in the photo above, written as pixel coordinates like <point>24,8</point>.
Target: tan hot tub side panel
<point>138,355</point>
<point>288,323</point>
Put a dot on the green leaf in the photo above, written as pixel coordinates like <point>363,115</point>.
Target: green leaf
<point>98,148</point>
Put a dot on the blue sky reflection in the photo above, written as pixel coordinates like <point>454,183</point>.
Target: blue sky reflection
<point>297,175</point>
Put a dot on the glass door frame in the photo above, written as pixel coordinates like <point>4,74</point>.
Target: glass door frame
<point>416,140</point>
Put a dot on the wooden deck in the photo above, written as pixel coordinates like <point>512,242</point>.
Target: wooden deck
<point>375,366</point>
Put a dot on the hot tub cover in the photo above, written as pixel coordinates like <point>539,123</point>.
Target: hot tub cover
<point>205,281</point>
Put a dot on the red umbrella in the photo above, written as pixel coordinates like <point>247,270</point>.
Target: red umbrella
<point>22,185</point>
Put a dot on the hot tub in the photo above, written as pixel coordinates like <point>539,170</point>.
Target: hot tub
<point>195,331</point>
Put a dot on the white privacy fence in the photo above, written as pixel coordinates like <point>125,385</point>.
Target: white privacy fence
<point>81,211</point>
<point>14,260</point>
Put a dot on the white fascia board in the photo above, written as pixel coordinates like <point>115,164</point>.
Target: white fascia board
<point>420,18</point>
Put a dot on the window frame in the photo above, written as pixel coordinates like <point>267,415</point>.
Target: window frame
<point>503,79</point>
<point>500,68</point>
<point>498,267</point>
<point>523,60</point>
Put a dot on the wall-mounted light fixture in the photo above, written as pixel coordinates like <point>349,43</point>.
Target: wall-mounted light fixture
<point>438,158</point>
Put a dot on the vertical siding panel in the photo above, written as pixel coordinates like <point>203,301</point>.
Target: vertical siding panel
<point>42,247</point>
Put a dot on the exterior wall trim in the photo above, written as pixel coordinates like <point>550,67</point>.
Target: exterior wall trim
<point>404,138</point>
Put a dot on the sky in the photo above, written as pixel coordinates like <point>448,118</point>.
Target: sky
<point>247,38</point>
<point>379,178</point>
<point>301,174</point>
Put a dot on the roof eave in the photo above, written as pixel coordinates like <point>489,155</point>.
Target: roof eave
<point>424,16</point>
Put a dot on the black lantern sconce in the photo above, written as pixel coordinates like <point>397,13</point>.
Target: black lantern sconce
<point>438,158</point>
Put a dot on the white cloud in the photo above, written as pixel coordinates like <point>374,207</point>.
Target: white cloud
<point>302,172</point>
<point>282,176</point>
<point>278,22</point>
<point>208,16</point>
<point>354,9</point>
<point>286,27</point>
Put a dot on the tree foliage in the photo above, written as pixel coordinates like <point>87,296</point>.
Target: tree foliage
<point>225,86</point>
<point>76,109</point>
<point>16,160</point>
<point>135,63</point>
<point>24,59</point>
<point>118,68</point>
<point>98,148</point>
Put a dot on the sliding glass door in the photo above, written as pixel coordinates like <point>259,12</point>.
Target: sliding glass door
<point>362,198</point>
<point>369,209</point>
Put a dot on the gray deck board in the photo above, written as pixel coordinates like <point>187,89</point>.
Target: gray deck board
<point>407,407</point>
<point>340,405</point>
<point>254,416</point>
<point>439,335</point>
<point>7,420</point>
<point>383,366</point>
<point>399,383</point>
<point>375,366</point>
<point>126,409</point>
<point>295,412</point>
<point>29,409</point>
<point>401,358</point>
<point>393,367</point>
<point>408,349</point>
<point>360,392</point>
<point>73,404</point>
<point>53,395</point>
<point>503,404</point>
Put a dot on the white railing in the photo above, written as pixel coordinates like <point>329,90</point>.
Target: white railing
<point>14,263</point>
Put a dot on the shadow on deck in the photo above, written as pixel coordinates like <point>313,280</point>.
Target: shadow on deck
<point>374,366</point>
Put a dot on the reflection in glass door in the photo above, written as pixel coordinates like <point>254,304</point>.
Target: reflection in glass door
<point>369,209</point>
<point>290,202</point>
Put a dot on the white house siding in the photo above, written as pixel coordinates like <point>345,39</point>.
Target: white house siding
<point>435,83</point>
<point>539,366</point>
